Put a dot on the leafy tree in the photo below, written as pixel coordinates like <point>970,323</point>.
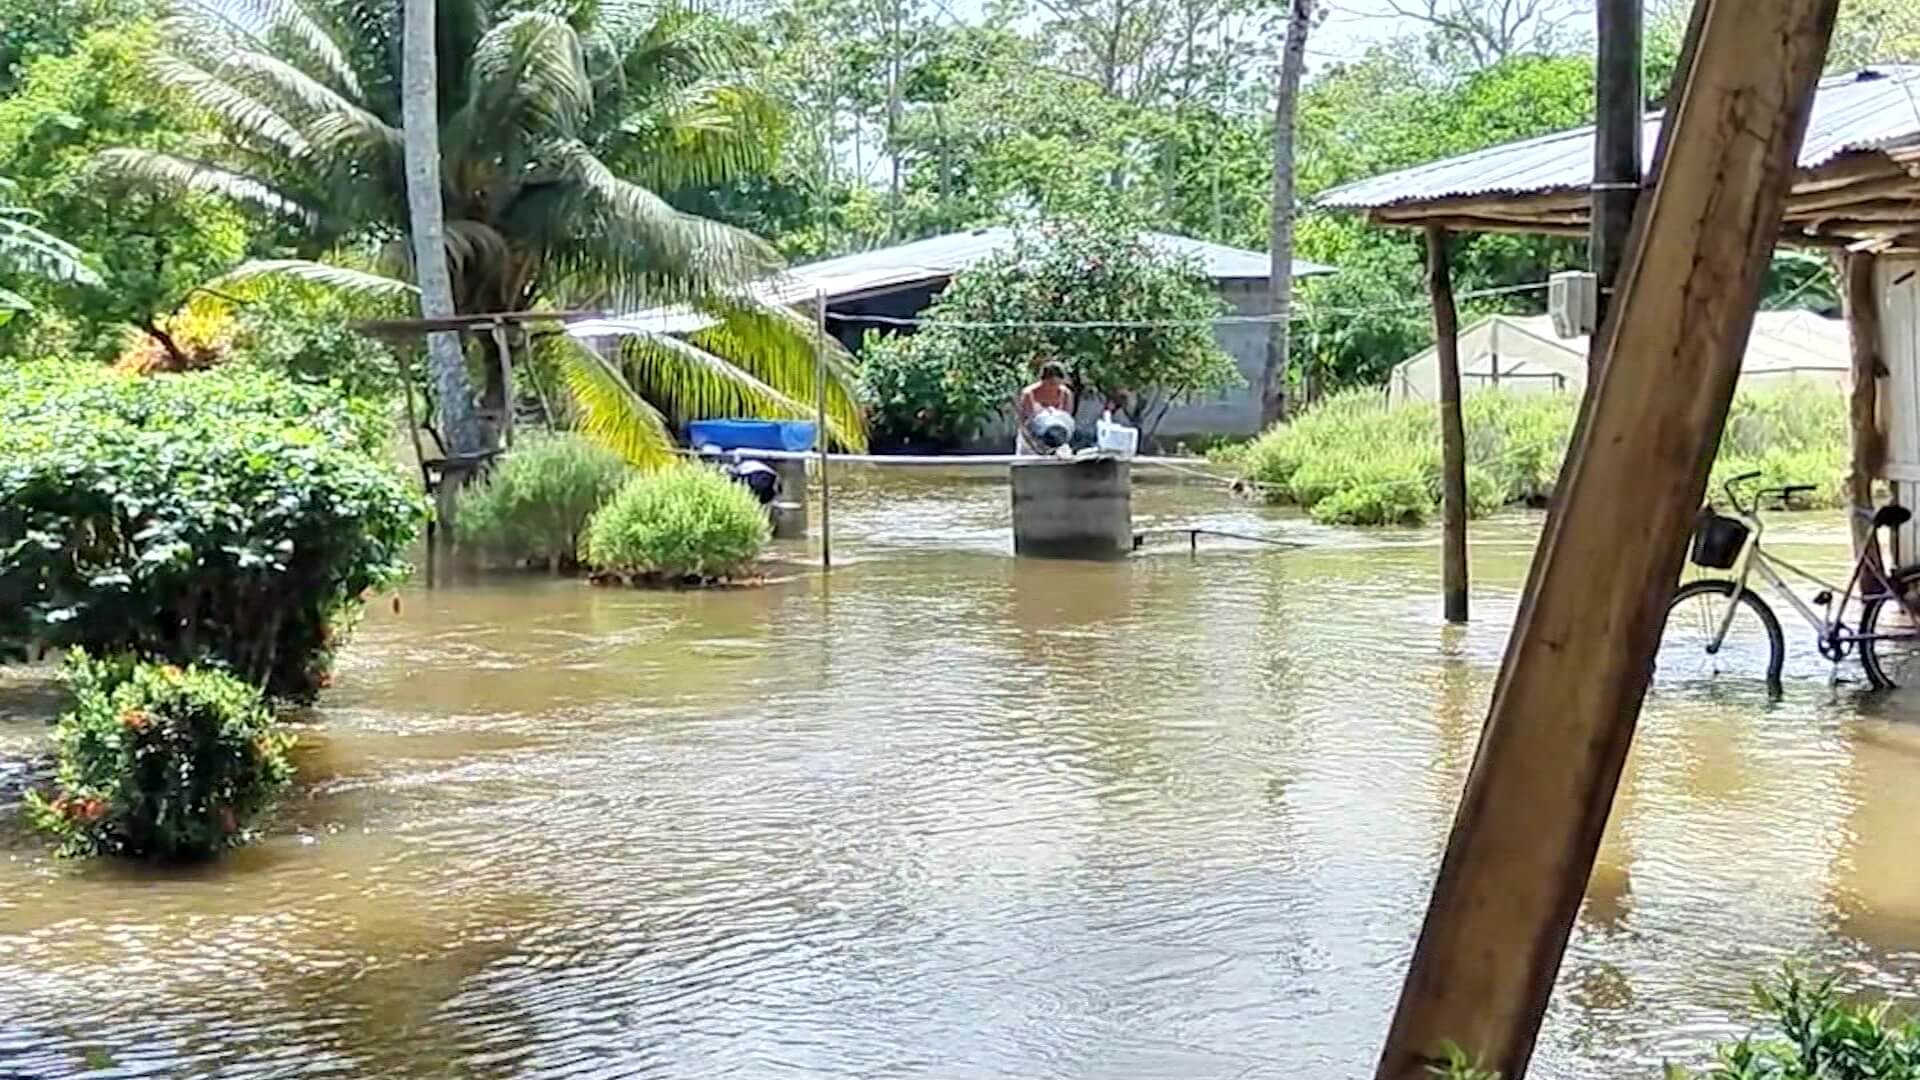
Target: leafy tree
<point>559,128</point>
<point>1074,271</point>
<point>150,249</point>
<point>31,29</point>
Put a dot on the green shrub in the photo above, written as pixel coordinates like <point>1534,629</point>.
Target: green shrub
<point>682,522</point>
<point>1353,460</point>
<point>227,517</point>
<point>157,762</point>
<point>534,505</point>
<point>1819,1036</point>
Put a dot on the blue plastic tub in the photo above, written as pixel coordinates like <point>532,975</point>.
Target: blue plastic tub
<point>752,434</point>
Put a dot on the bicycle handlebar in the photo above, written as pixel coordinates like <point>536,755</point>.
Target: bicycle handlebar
<point>1734,496</point>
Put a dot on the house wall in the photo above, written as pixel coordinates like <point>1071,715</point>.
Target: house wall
<point>1900,391</point>
<point>1235,411</point>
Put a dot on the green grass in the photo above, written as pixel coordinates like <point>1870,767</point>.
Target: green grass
<point>1352,460</point>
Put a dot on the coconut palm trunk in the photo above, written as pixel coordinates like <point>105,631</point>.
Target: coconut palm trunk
<point>447,366</point>
<point>1293,59</point>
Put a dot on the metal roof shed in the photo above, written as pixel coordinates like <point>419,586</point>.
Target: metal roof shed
<point>1856,188</point>
<point>1858,177</point>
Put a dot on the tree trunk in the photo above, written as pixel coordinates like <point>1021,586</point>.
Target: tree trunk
<point>1273,380</point>
<point>453,393</point>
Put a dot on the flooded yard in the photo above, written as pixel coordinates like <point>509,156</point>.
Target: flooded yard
<point>950,814</point>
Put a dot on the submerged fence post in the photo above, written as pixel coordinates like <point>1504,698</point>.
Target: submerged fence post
<point>820,429</point>
<point>1453,437</point>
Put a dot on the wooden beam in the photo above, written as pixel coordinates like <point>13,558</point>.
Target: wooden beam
<point>1576,668</point>
<point>1453,431</point>
<point>1860,297</point>
<point>1894,181</point>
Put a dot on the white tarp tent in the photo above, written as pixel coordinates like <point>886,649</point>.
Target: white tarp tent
<point>1520,354</point>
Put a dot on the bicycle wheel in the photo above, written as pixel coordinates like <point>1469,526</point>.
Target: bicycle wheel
<point>1752,646</point>
<point>1893,660</point>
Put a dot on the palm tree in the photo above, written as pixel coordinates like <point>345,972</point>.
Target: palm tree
<point>559,128</point>
<point>29,250</point>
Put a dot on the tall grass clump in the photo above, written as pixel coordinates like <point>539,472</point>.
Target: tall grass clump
<point>1353,460</point>
<point>534,506</point>
<point>682,524</point>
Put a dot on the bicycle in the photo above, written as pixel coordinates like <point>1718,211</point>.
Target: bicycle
<point>1708,634</point>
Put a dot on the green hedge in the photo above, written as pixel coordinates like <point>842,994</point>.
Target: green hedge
<point>683,522</point>
<point>159,762</point>
<point>1353,460</point>
<point>534,505</point>
<point>230,517</point>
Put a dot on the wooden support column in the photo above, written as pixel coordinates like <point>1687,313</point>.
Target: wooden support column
<point>1616,142</point>
<point>1862,300</point>
<point>1453,431</point>
<point>1563,713</point>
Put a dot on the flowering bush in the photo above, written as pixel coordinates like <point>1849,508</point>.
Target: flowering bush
<point>683,522</point>
<point>230,516</point>
<point>160,762</point>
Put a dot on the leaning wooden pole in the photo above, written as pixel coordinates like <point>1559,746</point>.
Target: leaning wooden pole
<point>1869,447</point>
<point>1563,713</point>
<point>1453,429</point>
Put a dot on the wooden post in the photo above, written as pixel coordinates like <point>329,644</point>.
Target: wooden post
<point>1453,430</point>
<point>1869,446</point>
<point>820,430</point>
<point>1576,668</point>
<point>504,352</point>
<point>1616,144</point>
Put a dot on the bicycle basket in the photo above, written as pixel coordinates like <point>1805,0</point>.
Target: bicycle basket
<point>1717,540</point>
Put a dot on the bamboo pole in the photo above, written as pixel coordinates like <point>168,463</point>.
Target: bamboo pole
<point>820,429</point>
<point>1869,447</point>
<point>1453,432</point>
<point>1569,693</point>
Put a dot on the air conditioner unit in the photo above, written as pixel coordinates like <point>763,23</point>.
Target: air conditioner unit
<point>1573,299</point>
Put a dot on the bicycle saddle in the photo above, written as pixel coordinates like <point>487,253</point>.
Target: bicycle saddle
<point>1891,516</point>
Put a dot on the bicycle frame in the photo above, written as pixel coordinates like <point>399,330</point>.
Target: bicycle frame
<point>1834,630</point>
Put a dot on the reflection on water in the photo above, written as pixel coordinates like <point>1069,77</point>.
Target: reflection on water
<point>951,814</point>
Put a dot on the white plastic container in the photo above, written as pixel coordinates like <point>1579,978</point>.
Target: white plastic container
<point>1117,439</point>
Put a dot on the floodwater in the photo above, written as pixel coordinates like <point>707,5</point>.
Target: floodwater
<point>950,814</point>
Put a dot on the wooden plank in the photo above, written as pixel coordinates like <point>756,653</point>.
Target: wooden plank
<point>1537,798</point>
<point>1860,296</point>
<point>1453,431</point>
<point>1897,281</point>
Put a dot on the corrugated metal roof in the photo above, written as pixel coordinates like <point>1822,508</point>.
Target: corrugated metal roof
<point>1864,110</point>
<point>941,257</point>
<point>916,263</point>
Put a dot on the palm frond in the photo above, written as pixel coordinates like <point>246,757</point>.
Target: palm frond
<point>185,174</point>
<point>611,412</point>
<point>702,135</point>
<point>786,352</point>
<point>342,280</point>
<point>33,250</point>
<point>258,20</point>
<point>304,92</point>
<point>528,70</point>
<point>640,246</point>
<point>11,304</point>
<point>687,382</point>
<point>240,111</point>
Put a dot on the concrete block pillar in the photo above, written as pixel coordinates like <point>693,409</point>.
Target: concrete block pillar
<point>1079,508</point>
<point>790,509</point>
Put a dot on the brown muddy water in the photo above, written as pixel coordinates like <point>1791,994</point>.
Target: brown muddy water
<point>949,814</point>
